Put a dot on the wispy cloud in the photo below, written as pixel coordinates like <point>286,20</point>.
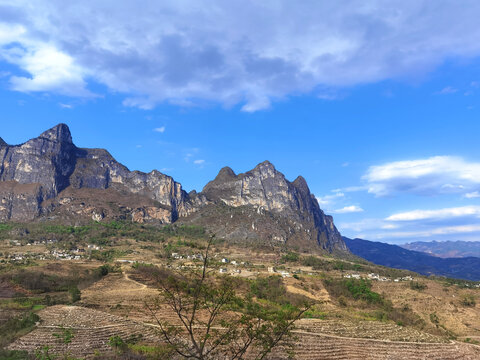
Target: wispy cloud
<point>348,209</point>
<point>160,129</point>
<point>434,175</point>
<point>251,56</point>
<point>472,195</point>
<point>447,90</point>
<point>329,199</point>
<point>436,214</point>
<point>439,231</point>
<point>199,162</point>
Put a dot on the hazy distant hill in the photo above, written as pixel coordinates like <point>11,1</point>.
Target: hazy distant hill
<point>446,249</point>
<point>397,257</point>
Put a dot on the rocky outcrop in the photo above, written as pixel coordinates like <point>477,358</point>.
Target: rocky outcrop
<point>49,177</point>
<point>51,163</point>
<point>290,203</point>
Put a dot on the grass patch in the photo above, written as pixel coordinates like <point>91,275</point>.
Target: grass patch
<point>356,289</point>
<point>16,327</point>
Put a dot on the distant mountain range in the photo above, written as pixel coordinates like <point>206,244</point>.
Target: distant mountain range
<point>397,257</point>
<point>49,178</point>
<point>446,249</point>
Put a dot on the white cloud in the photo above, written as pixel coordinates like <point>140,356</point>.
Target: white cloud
<point>389,226</point>
<point>434,175</point>
<point>199,162</point>
<point>447,90</point>
<point>437,214</point>
<point>229,52</point>
<point>49,69</point>
<point>363,225</point>
<point>348,209</point>
<point>160,129</point>
<point>460,223</point>
<point>329,199</point>
<point>472,195</point>
<point>439,231</point>
<point>66,106</point>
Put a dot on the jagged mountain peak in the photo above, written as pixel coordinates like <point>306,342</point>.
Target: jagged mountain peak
<point>225,173</point>
<point>290,203</point>
<point>2,143</point>
<point>301,184</point>
<point>265,164</point>
<point>59,133</point>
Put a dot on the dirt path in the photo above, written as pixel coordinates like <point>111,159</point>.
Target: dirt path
<point>126,277</point>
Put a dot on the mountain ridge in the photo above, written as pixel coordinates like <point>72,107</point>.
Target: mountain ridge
<point>46,178</point>
<point>400,258</point>
<point>446,249</point>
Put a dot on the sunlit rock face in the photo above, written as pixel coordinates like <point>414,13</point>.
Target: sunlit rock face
<point>51,163</point>
<point>48,177</point>
<point>291,203</point>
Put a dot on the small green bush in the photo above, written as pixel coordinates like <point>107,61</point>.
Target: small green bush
<point>75,293</point>
<point>415,285</point>
<point>468,300</point>
<point>358,289</point>
<point>290,257</point>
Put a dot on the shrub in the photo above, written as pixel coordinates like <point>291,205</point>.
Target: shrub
<point>17,326</point>
<point>358,289</point>
<point>75,293</point>
<point>415,285</point>
<point>468,300</point>
<point>290,257</point>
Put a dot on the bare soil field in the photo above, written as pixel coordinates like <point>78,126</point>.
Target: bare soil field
<point>444,302</point>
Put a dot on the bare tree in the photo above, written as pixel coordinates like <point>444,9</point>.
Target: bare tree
<point>215,319</point>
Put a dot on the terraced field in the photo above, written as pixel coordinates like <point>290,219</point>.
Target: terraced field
<point>367,330</point>
<point>113,306</point>
<point>92,330</point>
<point>320,346</point>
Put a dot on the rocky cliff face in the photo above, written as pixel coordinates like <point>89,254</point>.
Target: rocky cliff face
<point>287,203</point>
<point>51,163</point>
<point>49,177</point>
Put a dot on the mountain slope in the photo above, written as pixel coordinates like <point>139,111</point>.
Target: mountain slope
<point>399,258</point>
<point>49,178</point>
<point>42,168</point>
<point>446,249</point>
<point>277,211</point>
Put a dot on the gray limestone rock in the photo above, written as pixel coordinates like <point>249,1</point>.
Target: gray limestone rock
<point>268,190</point>
<point>49,174</point>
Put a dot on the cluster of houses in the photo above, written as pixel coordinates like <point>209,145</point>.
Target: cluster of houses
<point>23,257</point>
<point>233,272</point>
<point>39,242</point>
<point>177,256</point>
<point>373,276</point>
<point>64,255</point>
<point>232,262</point>
<point>283,273</point>
<point>57,254</point>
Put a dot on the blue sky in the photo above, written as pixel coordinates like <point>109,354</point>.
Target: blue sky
<point>376,106</point>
